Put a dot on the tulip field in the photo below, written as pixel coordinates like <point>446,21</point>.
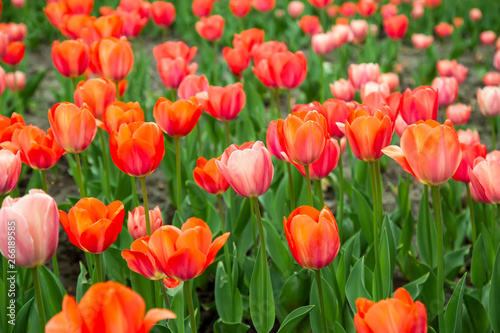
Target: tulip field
<point>230,166</point>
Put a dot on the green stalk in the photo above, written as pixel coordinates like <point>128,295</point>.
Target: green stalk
<point>377,292</point>
<point>164,293</point>
<point>117,91</point>
<point>436,200</point>
<point>146,207</point>
<point>200,143</point>
<point>214,65</point>
<point>228,140</point>
<point>319,191</point>
<point>288,101</point>
<point>178,169</point>
<point>253,225</point>
<point>319,283</point>
<point>189,296</point>
<point>471,212</point>
<point>44,181</point>
<point>134,191</point>
<point>278,106</point>
<point>308,185</point>
<point>340,204</point>
<point>80,177</point>
<point>322,80</point>
<point>73,82</point>
<point>38,297</point>
<point>106,164</point>
<point>493,136</point>
<point>223,228</point>
<point>263,254</point>
<point>290,182</point>
<point>98,267</point>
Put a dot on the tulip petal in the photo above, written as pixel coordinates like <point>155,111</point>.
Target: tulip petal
<point>186,264</point>
<point>155,315</point>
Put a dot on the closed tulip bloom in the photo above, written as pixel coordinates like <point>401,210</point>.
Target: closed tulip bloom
<point>55,12</point>
<point>396,27</point>
<point>483,176</point>
<point>15,81</point>
<point>179,118</point>
<point>400,125</point>
<point>102,27</point>
<point>359,28</point>
<point>264,6</point>
<point>105,307</point>
<point>391,79</point>
<point>295,8</point>
<point>360,74</point>
<point>208,177</point>
<point>202,8</point>
<point>435,164</point>
<point>312,236</point>
<point>191,85</point>
<point>487,37</point>
<point>137,148</point>
<point>74,26</point>
<point>266,50</point>
<point>262,72</point>
<point>347,9</point>
<point>443,29</point>
<point>323,44</point>
<point>447,88</point>
<point>459,114</point>
<point>491,78</point>
<point>469,155</point>
<point>325,164</point>
<point>370,87</point>
<point>335,111</point>
<point>118,113</point>
<point>475,14</point>
<point>366,8</point>
<point>248,169</point>
<point>389,10</point>
<point>174,50</point>
<point>211,27</point>
<point>237,59</point>
<point>393,315</point>
<point>173,71</point>
<point>452,68</point>
<point>4,41</point>
<point>163,13</point>
<point>488,99</point>
<point>74,128</point>
<point>240,8</point>
<point>320,3</point>
<point>496,60</point>
<point>71,57</point>
<point>91,225</point>
<point>223,103</point>
<point>136,222</point>
<point>343,90</point>
<point>288,69</point>
<point>421,41</point>
<point>79,6</point>
<point>303,136</point>
<point>36,225</point>
<point>97,93</point>
<point>249,38</point>
<point>468,137</point>
<point>14,53</point>
<point>419,104</point>
<point>112,58</point>
<point>273,142</point>
<point>133,23</point>
<point>10,170</point>
<point>310,24</point>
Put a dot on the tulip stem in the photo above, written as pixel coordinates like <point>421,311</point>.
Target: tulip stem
<point>340,204</point>
<point>200,143</point>
<point>178,169</point>
<point>38,297</point>
<point>288,101</point>
<point>146,207</point>
<point>228,140</point>
<point>164,293</point>
<point>253,225</point>
<point>223,228</point>
<point>319,190</point>
<point>263,255</point>
<point>189,296</point>
<point>290,182</point>
<point>98,267</point>
<point>376,276</point>
<point>117,91</point>
<point>493,136</point>
<point>106,164</point>
<point>436,200</point>
<point>471,212</point>
<point>319,284</point>
<point>73,82</point>
<point>308,185</point>
<point>44,181</point>
<point>80,177</point>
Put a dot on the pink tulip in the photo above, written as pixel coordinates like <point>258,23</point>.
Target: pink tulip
<point>491,79</point>
<point>483,180</point>
<point>295,8</point>
<point>323,44</point>
<point>421,41</point>
<point>136,222</point>
<point>15,81</point>
<point>191,85</point>
<point>342,89</point>
<point>400,125</point>
<point>18,3</point>
<point>493,156</point>
<point>388,11</point>
<point>488,99</point>
<point>475,14</point>
<point>4,41</point>
<point>248,169</point>
<point>459,114</point>
<point>468,137</point>
<point>447,88</point>
<point>417,10</point>
<point>360,74</point>
<point>273,143</point>
<point>326,163</point>
<point>369,87</point>
<point>10,169</point>
<point>359,28</point>
<point>452,68</point>
<point>36,222</point>
<point>496,60</point>
<point>342,34</point>
<point>391,79</point>
<point>3,82</point>
<point>487,37</point>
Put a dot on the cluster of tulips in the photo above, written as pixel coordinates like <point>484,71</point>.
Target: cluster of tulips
<point>291,261</point>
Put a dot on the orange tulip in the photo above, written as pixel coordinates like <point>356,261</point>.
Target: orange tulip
<point>97,93</point>
<point>211,27</point>
<point>182,254</point>
<point>429,151</point>
<point>74,128</point>
<point>71,57</point>
<point>177,119</point>
<point>102,27</point>
<point>137,148</point>
<point>107,307</point>
<point>118,113</point>
<point>112,58</point>
<point>310,24</point>
<point>9,124</point>
<point>163,13</point>
<point>55,12</point>
<point>79,6</point>
<point>14,53</point>
<point>208,177</point>
<point>313,236</point>
<point>93,226</point>
<point>288,69</point>
<point>325,164</point>
<point>396,26</point>
<point>223,103</point>
<point>303,136</point>
<point>394,315</point>
<point>142,259</point>
<point>72,26</point>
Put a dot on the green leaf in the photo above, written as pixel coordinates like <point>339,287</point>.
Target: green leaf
<point>478,272</point>
<point>198,201</point>
<point>52,291</point>
<point>277,250</point>
<point>295,290</point>
<point>177,306</point>
<point>222,327</point>
<point>478,317</point>
<point>355,286</point>
<point>294,318</point>
<point>453,310</point>
<point>142,286</point>
<point>387,258</point>
<point>83,284</point>
<point>229,305</point>
<point>426,233</point>
<point>415,287</point>
<point>116,267</point>
<point>22,317</point>
<point>261,306</point>
<point>494,298</point>
<point>363,215</point>
<point>330,308</point>
<point>454,260</point>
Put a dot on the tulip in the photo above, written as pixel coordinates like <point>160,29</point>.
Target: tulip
<point>177,119</point>
<point>400,125</point>
<point>240,8</point>
<point>488,99</point>
<point>266,50</point>
<point>288,69</point>
<point>458,22</point>
<point>137,148</point>
<point>14,53</point>
<point>102,27</point>
<point>360,74</point>
<point>452,68</point>
<point>112,58</point>
<point>264,6</point>
<point>192,85</point>
<point>97,93</point>
<point>237,59</point>
<point>343,90</point>
<point>370,87</point>
<point>55,12</point>
<point>223,103</point>
<point>73,26</point>
<point>487,37</point>
<point>295,8</point>
<point>163,13</point>
<point>391,79</point>
<point>491,79</point>
<point>359,28</point>
<point>469,155</point>
<point>211,27</point>
<point>4,42</point>
<point>419,104</point>
<point>443,29</point>
<point>325,164</point>
<point>459,114</point>
<point>248,170</point>
<point>447,88</point>
<point>15,81</point>
<point>37,228</point>
<point>394,315</point>
<point>493,155</point>
<point>389,10</point>
<point>496,60</point>
<point>347,9</point>
<point>273,143</point>
<point>103,308</point>
<point>310,24</point>
<point>202,8</point>
<point>71,57</point>
<point>366,8</point>
<point>468,137</point>
<point>118,113</point>
<point>173,71</point>
<point>133,23</point>
<point>10,170</point>
<point>173,50</point>
<point>74,128</point>
<point>323,44</point>
<point>208,177</point>
<point>79,6</point>
<point>417,10</point>
<point>334,111</point>
<point>8,125</point>
<point>482,178</point>
<point>475,14</point>
<point>396,26</point>
<point>248,39</point>
<point>421,41</point>
<point>136,222</point>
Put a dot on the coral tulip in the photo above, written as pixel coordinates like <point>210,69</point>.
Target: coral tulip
<point>468,137</point>
<point>310,24</point>
<point>325,164</point>
<point>419,104</point>
<point>9,124</point>
<point>366,8</point>
<point>71,57</point>
<point>452,68</point>
<point>483,180</point>
<point>136,222</point>
<point>295,8</point>
<point>211,27</point>
<point>371,87</point>
<point>74,26</point>
<point>447,88</point>
<point>343,90</point>
<point>391,79</point>
<point>248,39</point>
<point>202,8</point>
<point>459,114</point>
<point>14,53</point>
<point>208,177</point>
<point>266,50</point>
<point>273,143</point>
<point>223,103</point>
<point>475,14</point>
<point>118,113</point>
<point>15,81</point>
<point>487,37</point>
<point>264,6</point>
<point>347,9</point>
<point>174,50</point>
<point>240,8</point>
<point>312,236</point>
<point>421,41</point>
<point>262,72</point>
<point>102,27</point>
<point>10,170</point>
<point>323,44</point>
<point>389,10</point>
<point>496,60</point>
<point>335,111</point>
<point>360,74</point>
<point>112,58</point>
<point>491,79</point>
<point>97,93</point>
<point>163,13</point>
<point>55,12</point>
<point>396,27</point>
<point>79,6</point>
<point>237,59</point>
<point>191,85</point>
<point>4,41</point>
<point>179,118</point>
<point>488,99</point>
<point>173,71</point>
<point>443,29</point>
<point>288,69</point>
<point>469,155</point>
<point>36,224</point>
<point>105,307</point>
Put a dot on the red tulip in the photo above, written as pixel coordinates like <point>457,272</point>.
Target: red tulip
<point>366,8</point>
<point>396,27</point>
<point>266,50</point>
<point>223,103</point>
<point>71,57</point>
<point>14,53</point>
<point>264,6</point>
<point>288,69</point>
<point>177,119</point>
<point>443,29</point>
<point>240,8</point>
<point>419,104</point>
<point>173,50</point>
<point>211,27</point>
<point>248,39</point>
<point>325,164</point>
<point>173,71</point>
<point>335,111</point>
<point>163,13</point>
<point>202,8</point>
<point>192,85</point>
<point>79,6</point>
<point>469,155</point>
<point>237,59</point>
<point>208,177</point>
